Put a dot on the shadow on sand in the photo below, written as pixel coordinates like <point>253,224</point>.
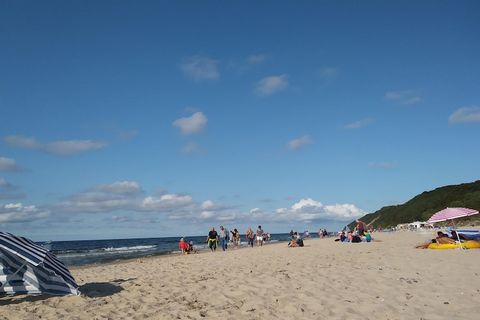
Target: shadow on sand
<point>100,289</point>
<point>90,290</point>
<point>8,300</point>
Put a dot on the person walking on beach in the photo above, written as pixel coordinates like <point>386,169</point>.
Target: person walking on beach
<point>224,236</point>
<point>250,237</point>
<point>212,240</point>
<point>259,236</point>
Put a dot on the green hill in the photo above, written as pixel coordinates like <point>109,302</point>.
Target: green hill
<point>423,206</point>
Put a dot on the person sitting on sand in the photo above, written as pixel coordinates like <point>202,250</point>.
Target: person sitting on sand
<point>349,236</point>
<point>191,248</point>
<point>183,246</point>
<point>441,238</point>
<point>212,239</point>
<point>367,237</point>
<point>356,238</point>
<point>296,242</point>
<point>342,237</point>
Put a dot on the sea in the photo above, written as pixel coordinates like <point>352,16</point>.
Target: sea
<point>83,252</point>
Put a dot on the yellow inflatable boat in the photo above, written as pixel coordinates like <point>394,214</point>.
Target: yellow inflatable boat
<point>466,245</point>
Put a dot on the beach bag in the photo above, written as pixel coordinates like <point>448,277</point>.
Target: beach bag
<point>356,239</point>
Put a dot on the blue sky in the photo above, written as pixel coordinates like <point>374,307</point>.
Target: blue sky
<point>137,119</point>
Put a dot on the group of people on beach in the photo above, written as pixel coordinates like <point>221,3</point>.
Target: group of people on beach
<point>296,240</point>
<point>359,234</point>
<point>224,237</point>
<point>186,247</point>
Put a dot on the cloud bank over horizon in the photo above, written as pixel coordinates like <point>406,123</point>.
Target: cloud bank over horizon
<point>61,147</point>
<point>123,201</point>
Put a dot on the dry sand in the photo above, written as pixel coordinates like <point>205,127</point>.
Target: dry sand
<point>324,280</point>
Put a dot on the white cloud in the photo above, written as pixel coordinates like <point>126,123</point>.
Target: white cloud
<point>255,211</point>
<point>344,211</point>
<point>215,216</point>
<point>212,211</point>
<point>127,196</point>
<point>71,147</point>
<point>308,209</point>
<point>62,147</point>
<point>359,124</point>
<point>465,115</point>
<point>406,97</point>
<point>270,85</point>
<point>166,202</point>
<point>257,58</point>
<point>383,164</point>
<point>205,215</point>
<point>120,195</point>
<point>305,204</point>
<point>17,212</point>
<point>8,164</point>
<point>299,142</point>
<point>194,124</point>
<point>208,205</point>
<point>121,187</point>
<point>200,68</point>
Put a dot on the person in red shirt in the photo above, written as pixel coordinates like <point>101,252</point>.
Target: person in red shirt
<point>183,246</point>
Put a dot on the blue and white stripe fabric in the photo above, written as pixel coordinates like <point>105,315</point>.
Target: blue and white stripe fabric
<point>27,268</point>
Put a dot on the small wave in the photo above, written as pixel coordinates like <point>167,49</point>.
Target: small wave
<point>129,249</point>
<point>104,251</point>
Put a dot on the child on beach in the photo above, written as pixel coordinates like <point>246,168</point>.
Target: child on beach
<point>236,238</point>
<point>191,248</point>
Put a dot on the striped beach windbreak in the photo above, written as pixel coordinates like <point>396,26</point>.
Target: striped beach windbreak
<point>28,268</point>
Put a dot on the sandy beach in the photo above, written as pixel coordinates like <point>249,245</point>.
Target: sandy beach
<point>324,280</point>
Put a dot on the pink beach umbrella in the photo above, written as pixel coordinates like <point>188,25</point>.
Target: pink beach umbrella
<point>451,213</point>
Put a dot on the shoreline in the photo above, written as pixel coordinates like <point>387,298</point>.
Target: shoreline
<point>167,254</point>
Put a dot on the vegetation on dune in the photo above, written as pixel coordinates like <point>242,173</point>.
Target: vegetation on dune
<point>424,205</point>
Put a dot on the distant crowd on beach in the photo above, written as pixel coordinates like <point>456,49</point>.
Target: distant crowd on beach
<point>224,238</point>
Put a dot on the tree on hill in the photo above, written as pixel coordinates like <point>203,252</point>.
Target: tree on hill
<point>424,205</point>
